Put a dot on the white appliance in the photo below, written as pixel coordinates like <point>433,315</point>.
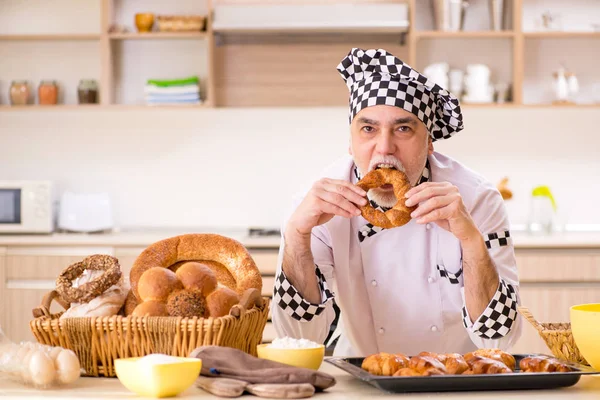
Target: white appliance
<point>85,212</point>
<point>26,207</point>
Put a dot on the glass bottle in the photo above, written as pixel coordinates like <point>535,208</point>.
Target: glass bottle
<point>87,91</point>
<point>48,93</point>
<point>19,93</point>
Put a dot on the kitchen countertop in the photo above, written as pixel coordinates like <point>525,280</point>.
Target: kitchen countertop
<point>347,387</point>
<point>143,238</point>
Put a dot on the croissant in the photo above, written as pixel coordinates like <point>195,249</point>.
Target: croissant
<point>494,354</point>
<point>455,363</point>
<point>385,364</point>
<point>543,364</point>
<point>421,364</point>
<point>412,372</point>
<point>481,365</point>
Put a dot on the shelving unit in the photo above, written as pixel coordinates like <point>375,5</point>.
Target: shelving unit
<point>289,61</point>
<point>157,35</point>
<point>50,37</point>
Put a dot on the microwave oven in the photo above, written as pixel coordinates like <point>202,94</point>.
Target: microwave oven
<point>26,207</point>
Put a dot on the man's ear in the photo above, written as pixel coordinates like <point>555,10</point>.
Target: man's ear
<point>430,146</point>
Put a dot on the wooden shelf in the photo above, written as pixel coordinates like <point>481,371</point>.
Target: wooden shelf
<point>157,35</point>
<point>74,36</point>
<point>310,30</point>
<point>568,105</point>
<point>87,107</point>
<point>130,107</point>
<point>565,35</point>
<point>464,34</point>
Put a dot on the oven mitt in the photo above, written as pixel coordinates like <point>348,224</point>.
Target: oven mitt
<point>226,387</point>
<point>227,362</point>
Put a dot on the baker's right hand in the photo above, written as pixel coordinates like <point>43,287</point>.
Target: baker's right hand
<point>326,199</point>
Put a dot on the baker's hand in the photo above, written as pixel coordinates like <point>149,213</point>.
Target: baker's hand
<point>441,202</point>
<point>326,199</point>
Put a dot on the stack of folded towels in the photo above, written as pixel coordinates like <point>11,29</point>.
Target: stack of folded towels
<point>177,91</point>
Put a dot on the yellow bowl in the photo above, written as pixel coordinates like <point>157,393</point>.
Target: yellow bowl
<point>585,325</point>
<point>144,22</point>
<point>157,380</point>
<point>305,358</point>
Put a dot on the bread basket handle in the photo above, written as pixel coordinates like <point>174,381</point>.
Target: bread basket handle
<point>251,298</point>
<point>524,311</point>
<point>44,309</point>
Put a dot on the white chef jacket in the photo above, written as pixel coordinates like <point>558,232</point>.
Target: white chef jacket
<point>401,289</point>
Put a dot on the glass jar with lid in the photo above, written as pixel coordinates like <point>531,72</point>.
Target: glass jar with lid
<point>87,91</point>
<point>19,93</point>
<point>48,93</point>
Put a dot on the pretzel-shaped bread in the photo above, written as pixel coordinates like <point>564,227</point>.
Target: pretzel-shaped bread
<point>399,214</point>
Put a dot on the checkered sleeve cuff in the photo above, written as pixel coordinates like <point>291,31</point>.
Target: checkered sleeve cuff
<point>499,316</point>
<point>289,299</point>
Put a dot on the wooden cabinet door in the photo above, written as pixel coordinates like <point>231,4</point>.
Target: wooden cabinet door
<point>551,281</point>
<point>551,303</point>
<point>30,273</point>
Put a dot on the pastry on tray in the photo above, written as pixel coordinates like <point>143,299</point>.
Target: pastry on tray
<point>478,362</point>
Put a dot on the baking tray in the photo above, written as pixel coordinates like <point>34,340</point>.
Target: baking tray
<point>445,383</point>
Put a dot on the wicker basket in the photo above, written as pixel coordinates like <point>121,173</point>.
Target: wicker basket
<point>558,338</point>
<point>98,341</point>
<point>180,23</point>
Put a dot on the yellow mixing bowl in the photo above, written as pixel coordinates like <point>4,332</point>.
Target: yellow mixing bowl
<point>157,380</point>
<point>585,325</point>
<point>305,358</point>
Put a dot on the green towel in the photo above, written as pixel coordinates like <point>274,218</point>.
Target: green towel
<point>193,80</point>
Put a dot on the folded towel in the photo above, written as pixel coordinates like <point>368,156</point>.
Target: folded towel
<point>173,82</point>
<point>173,97</point>
<point>185,89</point>
<point>227,362</point>
<point>172,102</point>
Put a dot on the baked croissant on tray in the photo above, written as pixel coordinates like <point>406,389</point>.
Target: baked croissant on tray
<point>478,362</point>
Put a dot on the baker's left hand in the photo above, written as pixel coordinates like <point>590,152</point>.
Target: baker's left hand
<point>441,202</point>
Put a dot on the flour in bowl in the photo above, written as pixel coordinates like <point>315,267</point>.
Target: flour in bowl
<point>156,359</point>
<point>291,343</point>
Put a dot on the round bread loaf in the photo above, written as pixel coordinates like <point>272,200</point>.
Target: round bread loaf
<point>151,308</point>
<point>227,258</point>
<point>157,284</point>
<point>196,276</point>
<point>187,303</point>
<point>220,301</point>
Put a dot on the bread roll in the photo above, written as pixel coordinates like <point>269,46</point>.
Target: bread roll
<point>220,302</point>
<point>186,303</point>
<point>151,308</point>
<point>230,255</point>
<point>157,283</point>
<point>196,276</point>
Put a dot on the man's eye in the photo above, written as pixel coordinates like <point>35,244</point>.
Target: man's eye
<point>368,129</point>
<point>404,128</point>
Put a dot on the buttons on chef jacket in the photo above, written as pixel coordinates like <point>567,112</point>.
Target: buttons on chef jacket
<point>430,279</point>
<point>428,226</point>
<point>373,282</point>
<point>381,331</point>
<point>434,328</point>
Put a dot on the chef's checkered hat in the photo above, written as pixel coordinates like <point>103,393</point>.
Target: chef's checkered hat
<point>376,77</point>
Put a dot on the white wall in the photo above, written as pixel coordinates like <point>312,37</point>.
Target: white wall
<point>239,167</point>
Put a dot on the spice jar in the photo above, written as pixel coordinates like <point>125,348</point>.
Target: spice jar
<point>19,93</point>
<point>87,91</point>
<point>47,93</point>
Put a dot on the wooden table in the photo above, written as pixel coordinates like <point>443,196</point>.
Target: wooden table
<point>347,387</point>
